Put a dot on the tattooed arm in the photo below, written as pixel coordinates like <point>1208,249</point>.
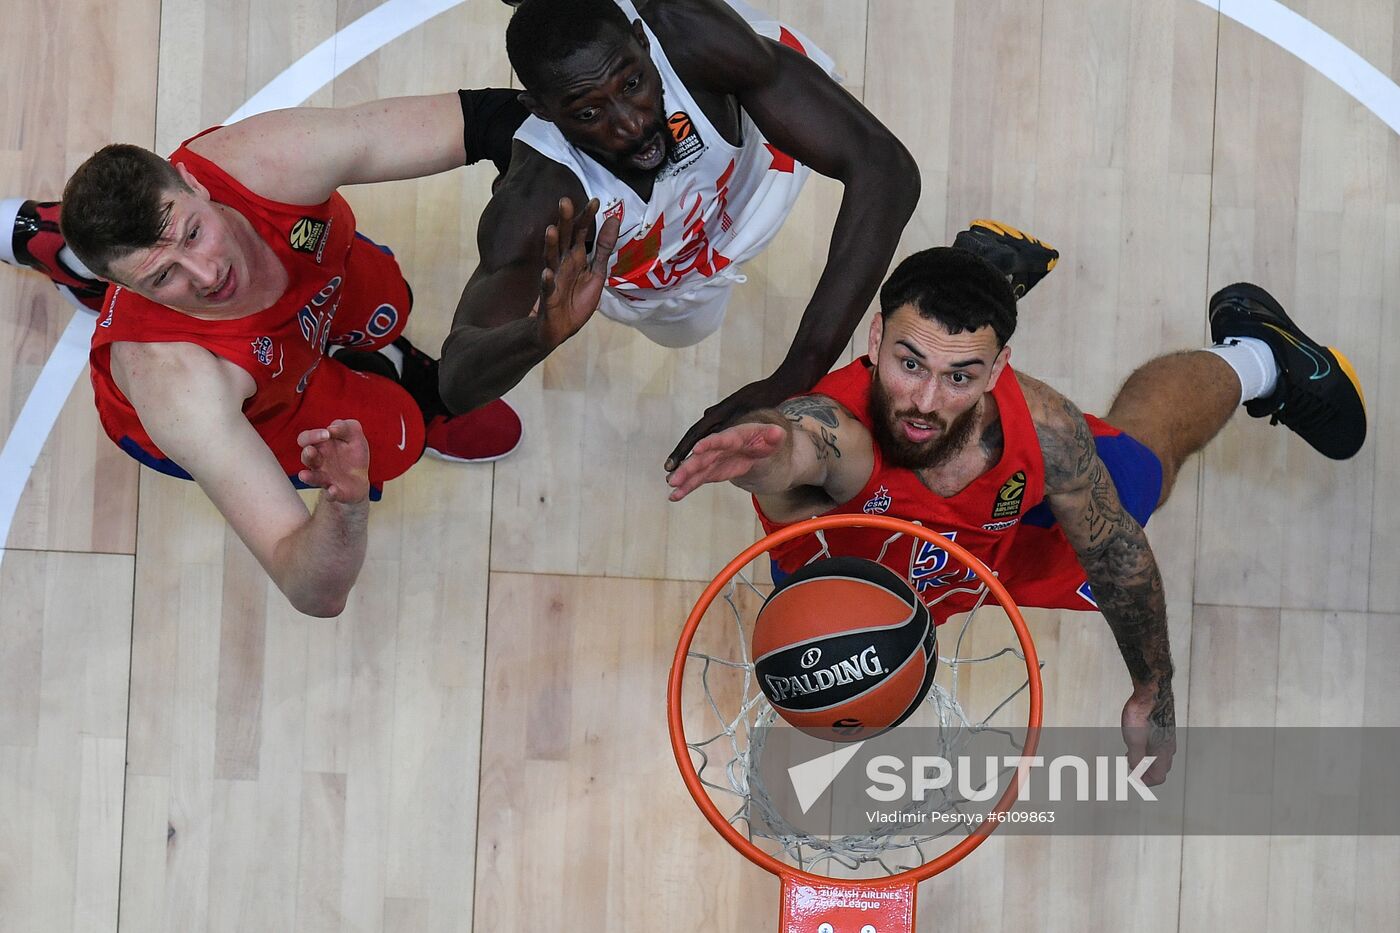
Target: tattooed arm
<point>1120,567</point>
<point>799,459</point>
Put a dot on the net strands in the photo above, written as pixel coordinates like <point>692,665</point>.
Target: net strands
<point>727,760</point>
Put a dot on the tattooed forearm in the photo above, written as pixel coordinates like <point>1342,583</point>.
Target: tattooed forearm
<point>1115,554</point>
<point>811,406</point>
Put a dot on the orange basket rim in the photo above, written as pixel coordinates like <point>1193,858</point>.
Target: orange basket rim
<point>675,682</point>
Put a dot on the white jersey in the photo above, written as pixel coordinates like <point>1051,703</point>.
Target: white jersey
<point>713,206</point>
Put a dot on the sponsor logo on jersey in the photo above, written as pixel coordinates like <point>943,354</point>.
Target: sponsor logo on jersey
<point>262,349</point>
<point>685,138</point>
<point>877,504</point>
<point>1009,496</point>
<point>1087,594</point>
<point>307,235</point>
<point>1000,526</point>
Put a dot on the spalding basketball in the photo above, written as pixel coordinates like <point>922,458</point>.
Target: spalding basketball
<point>844,649</point>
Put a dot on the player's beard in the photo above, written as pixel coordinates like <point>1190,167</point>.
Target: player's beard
<point>899,451</point>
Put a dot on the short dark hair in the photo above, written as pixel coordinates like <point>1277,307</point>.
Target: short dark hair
<point>957,288</point>
<point>117,202</point>
<point>543,32</point>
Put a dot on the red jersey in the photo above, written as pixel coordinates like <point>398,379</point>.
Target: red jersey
<point>342,290</point>
<point>1034,562</point>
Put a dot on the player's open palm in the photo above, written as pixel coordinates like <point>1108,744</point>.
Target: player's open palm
<point>572,283</point>
<point>336,460</point>
<point>727,455</point>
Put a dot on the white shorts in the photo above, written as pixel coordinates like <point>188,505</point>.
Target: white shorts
<point>676,320</point>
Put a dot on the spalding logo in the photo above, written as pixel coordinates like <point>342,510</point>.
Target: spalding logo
<point>856,667</point>
<point>810,657</point>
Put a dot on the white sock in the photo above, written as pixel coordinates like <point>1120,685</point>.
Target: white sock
<point>74,264</point>
<point>1253,361</point>
<point>395,356</point>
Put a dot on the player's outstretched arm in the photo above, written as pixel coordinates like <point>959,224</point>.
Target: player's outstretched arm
<point>523,301</point>
<point>808,454</point>
<point>808,116</point>
<point>303,154</point>
<point>1120,566</point>
<point>190,403</point>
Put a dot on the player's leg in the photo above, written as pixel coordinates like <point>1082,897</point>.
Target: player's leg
<point>1177,403</point>
<point>1174,405</point>
<point>30,236</point>
<point>373,312</point>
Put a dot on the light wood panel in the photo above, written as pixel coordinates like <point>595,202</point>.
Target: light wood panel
<point>79,74</point>
<point>585,820</point>
<point>294,774</point>
<point>65,627</point>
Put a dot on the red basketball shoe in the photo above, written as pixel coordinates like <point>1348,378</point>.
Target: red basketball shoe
<point>29,236</point>
<point>480,436</point>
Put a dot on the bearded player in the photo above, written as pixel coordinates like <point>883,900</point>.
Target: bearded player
<point>934,426</point>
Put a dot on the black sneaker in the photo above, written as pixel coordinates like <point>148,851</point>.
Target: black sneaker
<point>1318,397</point>
<point>1022,258</point>
<point>29,236</point>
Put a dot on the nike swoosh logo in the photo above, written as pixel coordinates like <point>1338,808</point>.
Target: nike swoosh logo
<point>811,778</point>
<point>1321,367</point>
<point>403,433</point>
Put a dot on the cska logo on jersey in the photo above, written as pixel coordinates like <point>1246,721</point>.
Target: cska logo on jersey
<point>307,234</point>
<point>879,503</point>
<point>1009,496</point>
<point>262,349</point>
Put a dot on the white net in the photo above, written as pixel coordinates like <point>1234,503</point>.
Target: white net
<point>979,690</point>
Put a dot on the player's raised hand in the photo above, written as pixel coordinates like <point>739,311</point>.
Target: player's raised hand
<point>571,283</point>
<point>337,460</point>
<point>765,393</point>
<point>726,455</point>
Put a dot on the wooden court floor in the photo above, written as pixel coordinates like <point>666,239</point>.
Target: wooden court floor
<point>478,743</point>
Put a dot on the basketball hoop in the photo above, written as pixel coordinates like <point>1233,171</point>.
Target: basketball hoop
<point>828,882</point>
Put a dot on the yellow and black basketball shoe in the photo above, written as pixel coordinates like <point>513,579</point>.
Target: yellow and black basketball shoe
<point>1318,396</point>
<point>1022,258</point>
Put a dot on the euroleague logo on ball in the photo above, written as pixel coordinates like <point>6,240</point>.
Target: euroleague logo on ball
<point>843,649</point>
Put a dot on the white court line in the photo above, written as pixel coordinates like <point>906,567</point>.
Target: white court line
<point>1368,85</point>
<point>1270,19</point>
<point>304,77</point>
<point>36,419</point>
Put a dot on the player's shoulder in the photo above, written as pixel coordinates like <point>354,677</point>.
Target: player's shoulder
<point>1066,443</point>
<point>176,376</point>
<point>710,44</point>
<point>511,228</point>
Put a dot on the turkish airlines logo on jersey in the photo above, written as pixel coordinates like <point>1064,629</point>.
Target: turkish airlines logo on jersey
<point>1010,495</point>
<point>685,139</point>
<point>307,234</point>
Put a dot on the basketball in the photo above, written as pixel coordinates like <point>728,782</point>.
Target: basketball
<point>844,649</point>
